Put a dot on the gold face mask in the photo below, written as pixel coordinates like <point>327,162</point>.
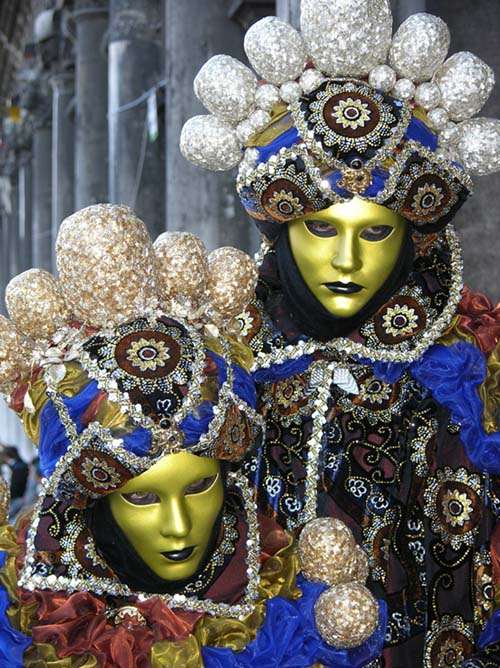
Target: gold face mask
<point>169,513</point>
<point>346,253</point>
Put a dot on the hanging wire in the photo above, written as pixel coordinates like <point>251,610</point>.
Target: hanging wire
<point>140,164</point>
<point>139,100</point>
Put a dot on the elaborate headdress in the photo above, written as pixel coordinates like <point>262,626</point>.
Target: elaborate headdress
<point>124,360</point>
<point>347,109</point>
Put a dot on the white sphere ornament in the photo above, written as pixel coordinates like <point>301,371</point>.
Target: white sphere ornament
<point>311,79</point>
<point>275,50</point>
<point>438,118</point>
<point>290,91</point>
<point>404,89</point>
<point>428,95</point>
<point>210,143</point>
<point>478,145</point>
<point>267,96</point>
<point>466,83</point>
<point>250,157</point>
<point>106,265</point>
<point>419,47</point>
<point>346,615</point>
<point>259,119</point>
<point>226,87</point>
<point>346,38</point>
<point>449,135</point>
<point>382,77</point>
<point>244,131</point>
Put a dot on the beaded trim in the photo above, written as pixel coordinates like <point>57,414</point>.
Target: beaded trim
<point>322,377</point>
<point>275,170</point>
<point>354,87</point>
<point>400,352</point>
<point>109,385</point>
<point>30,580</point>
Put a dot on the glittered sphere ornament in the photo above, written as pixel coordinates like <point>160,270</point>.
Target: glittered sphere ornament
<point>346,615</point>
<point>35,303</point>
<point>346,38</point>
<point>182,266</point>
<point>13,360</point>
<point>345,109</point>
<point>99,248</point>
<point>232,279</point>
<point>328,552</point>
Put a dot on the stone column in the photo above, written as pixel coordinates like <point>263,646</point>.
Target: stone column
<point>289,10</point>
<point>199,201</point>
<point>475,27</point>
<point>42,194</point>
<point>25,213</point>
<point>4,256</point>
<point>402,9</point>
<point>63,153</point>
<point>91,145</point>
<point>136,160</point>
<point>14,241</point>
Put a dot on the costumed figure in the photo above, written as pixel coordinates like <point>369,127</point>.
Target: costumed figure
<point>378,373</point>
<point>145,547</point>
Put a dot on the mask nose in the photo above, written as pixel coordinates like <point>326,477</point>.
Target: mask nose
<point>175,519</point>
<point>347,255</point>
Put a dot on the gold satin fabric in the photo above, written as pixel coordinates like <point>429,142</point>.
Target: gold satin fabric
<point>278,577</point>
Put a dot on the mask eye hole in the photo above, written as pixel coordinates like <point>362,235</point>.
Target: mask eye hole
<point>320,229</point>
<point>376,232</point>
<point>200,485</point>
<point>141,498</point>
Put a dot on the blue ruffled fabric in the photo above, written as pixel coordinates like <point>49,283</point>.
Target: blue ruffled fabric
<point>13,643</point>
<point>453,374</point>
<point>244,386</point>
<point>138,442</point>
<point>491,633</point>
<point>193,427</point>
<point>281,371</point>
<point>53,442</point>
<point>419,131</point>
<point>389,372</point>
<point>289,138</point>
<point>379,178</point>
<point>289,639</point>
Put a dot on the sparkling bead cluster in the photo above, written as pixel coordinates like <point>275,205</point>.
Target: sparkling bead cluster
<point>14,361</point>
<point>111,273</point>
<point>339,39</point>
<point>346,614</point>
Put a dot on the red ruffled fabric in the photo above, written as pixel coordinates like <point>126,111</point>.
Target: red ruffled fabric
<point>77,625</point>
<point>479,318</point>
